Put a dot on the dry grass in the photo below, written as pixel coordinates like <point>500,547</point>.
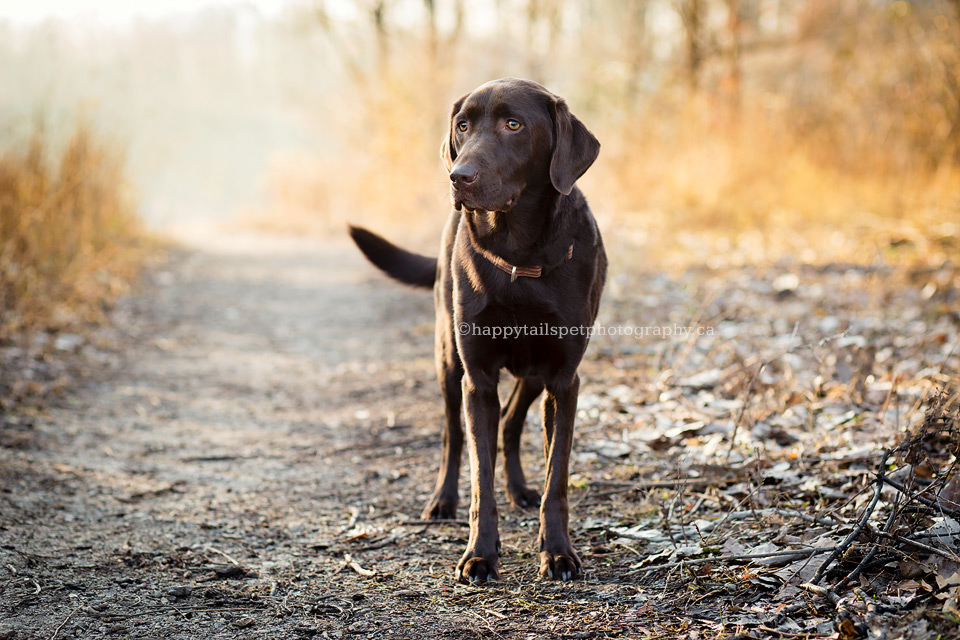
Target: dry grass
<point>844,146</point>
<point>69,238</point>
<point>754,191</point>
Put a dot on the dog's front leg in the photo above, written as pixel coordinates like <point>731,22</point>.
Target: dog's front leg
<point>558,560</point>
<point>443,502</point>
<point>480,561</point>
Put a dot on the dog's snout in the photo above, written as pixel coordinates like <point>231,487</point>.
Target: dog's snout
<point>464,175</point>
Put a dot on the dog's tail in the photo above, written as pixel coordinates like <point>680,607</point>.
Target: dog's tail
<point>404,266</point>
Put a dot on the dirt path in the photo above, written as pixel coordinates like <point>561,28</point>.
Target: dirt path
<point>262,411</point>
<point>229,415</point>
<point>253,439</point>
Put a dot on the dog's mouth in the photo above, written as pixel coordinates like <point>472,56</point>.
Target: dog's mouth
<point>464,203</point>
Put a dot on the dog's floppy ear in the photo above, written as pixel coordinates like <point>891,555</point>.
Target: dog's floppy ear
<point>448,149</point>
<point>574,148</point>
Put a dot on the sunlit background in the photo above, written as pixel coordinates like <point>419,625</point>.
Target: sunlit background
<point>733,131</point>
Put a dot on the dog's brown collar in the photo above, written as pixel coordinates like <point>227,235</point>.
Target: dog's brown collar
<point>515,271</point>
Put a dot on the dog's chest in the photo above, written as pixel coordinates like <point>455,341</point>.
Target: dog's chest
<point>526,340</point>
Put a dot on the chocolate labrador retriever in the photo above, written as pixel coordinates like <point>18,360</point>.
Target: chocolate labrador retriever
<point>517,286</point>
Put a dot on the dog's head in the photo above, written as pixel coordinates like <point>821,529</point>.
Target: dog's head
<point>508,135</point>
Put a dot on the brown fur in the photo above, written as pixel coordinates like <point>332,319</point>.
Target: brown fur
<point>514,197</point>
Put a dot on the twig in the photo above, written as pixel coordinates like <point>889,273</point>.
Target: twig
<point>919,545</point>
<point>890,394</point>
<point>693,335</point>
<point>753,382</point>
<point>862,521</point>
<point>743,407</point>
<point>353,564</point>
<point>393,539</point>
<point>799,553</point>
<point>787,634</point>
<point>485,622</point>
<point>823,593</point>
<point>863,564</point>
<point>793,513</point>
<point>378,545</point>
<point>854,457</point>
<point>62,624</point>
<point>927,501</point>
<point>628,548</point>
<point>435,523</point>
<point>225,555</point>
<point>627,487</point>
<point>687,482</point>
<point>227,609</point>
<point>677,497</point>
<point>943,361</point>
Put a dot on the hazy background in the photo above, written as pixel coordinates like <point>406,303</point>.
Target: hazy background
<point>741,118</point>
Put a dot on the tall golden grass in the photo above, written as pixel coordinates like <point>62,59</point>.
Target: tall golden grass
<point>847,147</point>
<point>758,189</point>
<point>69,238</point>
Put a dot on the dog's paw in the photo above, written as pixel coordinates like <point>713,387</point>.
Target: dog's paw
<point>478,569</point>
<point>523,496</point>
<point>440,507</point>
<point>560,566</point>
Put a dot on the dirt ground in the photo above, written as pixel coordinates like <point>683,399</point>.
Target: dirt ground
<point>245,451</point>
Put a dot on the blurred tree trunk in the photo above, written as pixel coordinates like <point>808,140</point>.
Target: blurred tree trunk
<point>441,50</point>
<point>636,47</point>
<point>440,47</point>
<point>543,16</point>
<point>457,30</point>
<point>320,14</point>
<point>734,69</point>
<point>378,15</point>
<point>433,40</point>
<point>691,14</point>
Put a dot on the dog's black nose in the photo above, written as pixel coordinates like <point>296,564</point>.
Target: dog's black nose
<point>464,175</point>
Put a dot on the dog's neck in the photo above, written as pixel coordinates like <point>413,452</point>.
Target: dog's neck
<point>523,230</point>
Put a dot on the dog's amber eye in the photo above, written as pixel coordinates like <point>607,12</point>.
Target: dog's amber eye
<point>462,126</point>
<point>513,125</point>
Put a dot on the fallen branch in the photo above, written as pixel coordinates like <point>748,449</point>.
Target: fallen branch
<point>919,545</point>
<point>626,487</point>
<point>863,564</point>
<point>787,634</point>
<point>822,592</point>
<point>865,516</point>
<point>798,553</point>
<point>927,501</point>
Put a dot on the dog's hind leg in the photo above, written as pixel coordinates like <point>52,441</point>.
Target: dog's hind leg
<point>558,560</point>
<point>514,412</point>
